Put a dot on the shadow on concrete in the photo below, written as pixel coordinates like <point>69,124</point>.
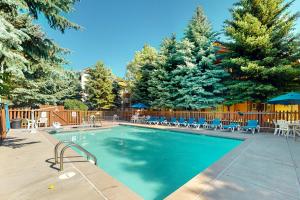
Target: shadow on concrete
<point>14,142</point>
<point>55,166</point>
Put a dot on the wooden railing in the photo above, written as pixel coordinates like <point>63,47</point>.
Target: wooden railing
<point>75,117</point>
<point>65,117</point>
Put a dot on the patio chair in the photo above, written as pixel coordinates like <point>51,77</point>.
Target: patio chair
<point>278,124</point>
<point>153,120</point>
<point>181,122</point>
<point>190,122</point>
<point>161,120</point>
<point>285,129</point>
<point>147,119</point>
<point>173,121</point>
<point>232,126</point>
<point>201,122</point>
<point>215,124</point>
<point>30,123</point>
<point>134,118</point>
<point>252,125</point>
<point>42,120</point>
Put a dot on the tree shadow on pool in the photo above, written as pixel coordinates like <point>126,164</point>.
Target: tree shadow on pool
<point>153,160</point>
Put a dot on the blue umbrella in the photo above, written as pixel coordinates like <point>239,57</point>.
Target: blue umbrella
<point>139,106</point>
<point>291,98</point>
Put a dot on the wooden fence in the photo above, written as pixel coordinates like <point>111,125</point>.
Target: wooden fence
<point>75,117</point>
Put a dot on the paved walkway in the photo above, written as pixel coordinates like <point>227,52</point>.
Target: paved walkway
<point>27,172</point>
<point>264,167</point>
<point>268,168</point>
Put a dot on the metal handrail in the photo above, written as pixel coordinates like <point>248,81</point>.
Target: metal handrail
<point>70,144</point>
<point>56,148</point>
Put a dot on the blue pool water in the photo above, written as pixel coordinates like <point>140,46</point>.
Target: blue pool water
<point>153,163</point>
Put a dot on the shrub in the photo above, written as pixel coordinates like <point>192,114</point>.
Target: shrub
<point>73,104</point>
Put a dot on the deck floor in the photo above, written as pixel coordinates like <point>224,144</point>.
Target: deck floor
<point>268,167</point>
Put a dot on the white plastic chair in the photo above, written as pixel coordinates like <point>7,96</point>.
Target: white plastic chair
<point>278,126</point>
<point>42,120</point>
<point>134,118</point>
<point>285,129</point>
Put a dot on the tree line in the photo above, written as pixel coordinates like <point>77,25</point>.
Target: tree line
<point>262,60</point>
<point>32,69</point>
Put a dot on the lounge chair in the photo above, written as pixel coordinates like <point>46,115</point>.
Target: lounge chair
<point>252,125</point>
<point>181,122</point>
<point>161,120</point>
<point>201,122</point>
<point>153,120</point>
<point>173,121</point>
<point>190,122</point>
<point>215,124</point>
<point>232,126</point>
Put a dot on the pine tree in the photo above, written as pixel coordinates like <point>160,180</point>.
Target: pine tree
<point>264,50</point>
<point>186,63</point>
<point>161,89</point>
<point>51,87</point>
<point>117,92</point>
<point>99,87</point>
<point>200,81</point>
<point>139,73</point>
<point>23,44</point>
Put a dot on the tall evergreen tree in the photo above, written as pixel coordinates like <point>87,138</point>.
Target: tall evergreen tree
<point>117,92</point>
<point>263,50</point>
<point>141,68</point>
<point>22,43</point>
<point>161,89</point>
<point>201,80</point>
<point>49,86</point>
<point>99,87</point>
<point>185,60</point>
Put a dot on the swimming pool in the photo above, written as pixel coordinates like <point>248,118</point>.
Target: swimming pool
<point>151,162</point>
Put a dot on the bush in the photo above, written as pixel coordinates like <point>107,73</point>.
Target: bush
<point>73,104</point>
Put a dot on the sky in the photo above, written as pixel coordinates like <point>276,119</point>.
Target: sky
<point>112,31</point>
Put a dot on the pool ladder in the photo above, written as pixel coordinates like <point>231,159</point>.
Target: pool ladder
<point>69,144</point>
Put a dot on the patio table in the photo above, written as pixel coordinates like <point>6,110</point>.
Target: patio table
<point>296,128</point>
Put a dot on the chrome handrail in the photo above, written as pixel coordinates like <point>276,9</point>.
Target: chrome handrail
<point>56,148</point>
<point>70,144</point>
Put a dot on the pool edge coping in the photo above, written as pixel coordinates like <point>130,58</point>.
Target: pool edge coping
<point>194,188</point>
<point>110,190</point>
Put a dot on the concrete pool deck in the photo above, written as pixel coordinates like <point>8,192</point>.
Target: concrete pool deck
<point>264,166</point>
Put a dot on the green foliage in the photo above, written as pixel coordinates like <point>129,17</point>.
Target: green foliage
<point>99,87</point>
<point>51,85</point>
<point>24,48</point>
<point>187,77</point>
<point>139,73</point>
<point>117,93</point>
<point>161,88</point>
<point>264,50</point>
<point>73,104</point>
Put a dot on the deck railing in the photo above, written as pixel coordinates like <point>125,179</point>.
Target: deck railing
<point>75,117</point>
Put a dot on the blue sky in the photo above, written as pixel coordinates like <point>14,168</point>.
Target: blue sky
<point>114,30</point>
